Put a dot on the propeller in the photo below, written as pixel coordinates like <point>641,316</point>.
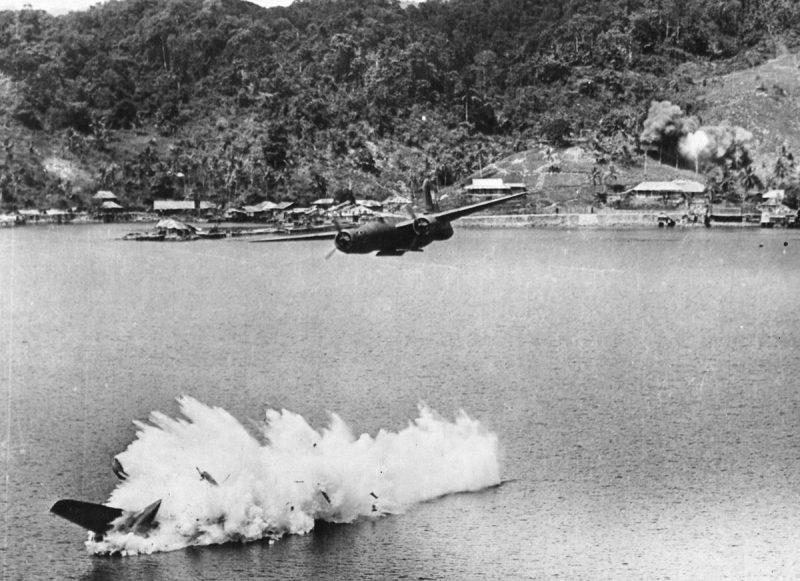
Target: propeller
<point>421,226</point>
<point>339,232</point>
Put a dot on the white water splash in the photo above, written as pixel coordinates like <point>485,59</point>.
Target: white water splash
<point>294,476</point>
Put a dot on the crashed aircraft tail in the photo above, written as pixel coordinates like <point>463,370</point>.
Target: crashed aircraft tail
<point>101,519</point>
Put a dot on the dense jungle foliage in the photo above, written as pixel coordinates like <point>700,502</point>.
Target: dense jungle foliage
<point>227,101</point>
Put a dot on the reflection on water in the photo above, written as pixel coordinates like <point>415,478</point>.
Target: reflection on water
<point>641,385</point>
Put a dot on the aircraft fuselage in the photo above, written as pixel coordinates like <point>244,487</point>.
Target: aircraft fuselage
<point>385,238</point>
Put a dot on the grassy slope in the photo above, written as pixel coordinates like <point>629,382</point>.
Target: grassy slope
<point>572,185</point>
<point>765,100</point>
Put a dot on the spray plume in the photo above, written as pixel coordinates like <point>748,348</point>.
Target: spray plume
<point>292,476</point>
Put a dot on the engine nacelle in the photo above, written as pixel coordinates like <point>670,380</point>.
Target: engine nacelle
<point>343,241</point>
<point>370,237</point>
<point>423,226</point>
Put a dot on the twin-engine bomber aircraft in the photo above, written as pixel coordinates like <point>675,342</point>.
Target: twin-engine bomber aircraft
<point>395,239</point>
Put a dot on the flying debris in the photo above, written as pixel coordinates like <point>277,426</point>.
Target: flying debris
<point>325,495</point>
<point>101,519</point>
<point>119,471</point>
<point>206,476</point>
<point>373,495</point>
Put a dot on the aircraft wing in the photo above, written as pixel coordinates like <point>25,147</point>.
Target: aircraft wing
<point>295,237</point>
<point>450,215</point>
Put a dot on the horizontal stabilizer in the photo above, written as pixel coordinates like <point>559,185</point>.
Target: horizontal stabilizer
<point>94,517</point>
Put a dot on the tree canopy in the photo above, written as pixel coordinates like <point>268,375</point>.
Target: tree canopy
<point>285,102</point>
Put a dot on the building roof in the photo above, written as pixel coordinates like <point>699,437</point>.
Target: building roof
<point>340,206</point>
<point>104,195</point>
<point>487,184</point>
<point>682,186</point>
<point>773,198</point>
<point>109,205</point>
<point>369,203</point>
<point>323,202</point>
<point>356,210</point>
<point>396,199</point>
<point>265,206</point>
<point>166,205</point>
<point>493,184</point>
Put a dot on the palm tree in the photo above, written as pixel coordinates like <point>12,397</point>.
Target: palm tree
<point>610,175</point>
<point>780,171</point>
<point>749,180</point>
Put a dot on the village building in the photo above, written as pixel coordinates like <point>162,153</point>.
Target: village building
<point>486,187</point>
<point>104,196</point>
<point>373,205</point>
<point>773,198</point>
<point>773,210</point>
<point>355,212</point>
<point>323,203</point>
<point>281,209</point>
<point>31,215</point>
<point>167,207</point>
<point>259,212</point>
<point>666,194</point>
<point>111,211</point>
<point>396,203</point>
<point>300,216</point>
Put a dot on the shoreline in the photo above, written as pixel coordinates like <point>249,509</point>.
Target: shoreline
<point>609,220</point>
<point>600,220</point>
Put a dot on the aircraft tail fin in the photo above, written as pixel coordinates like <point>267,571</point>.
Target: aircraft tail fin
<point>145,519</point>
<point>94,517</point>
<point>430,205</point>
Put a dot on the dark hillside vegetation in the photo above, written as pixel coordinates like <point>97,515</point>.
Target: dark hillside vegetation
<point>224,100</point>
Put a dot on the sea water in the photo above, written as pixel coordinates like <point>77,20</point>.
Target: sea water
<point>632,392</point>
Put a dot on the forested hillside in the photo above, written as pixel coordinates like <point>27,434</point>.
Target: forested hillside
<point>227,101</point>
